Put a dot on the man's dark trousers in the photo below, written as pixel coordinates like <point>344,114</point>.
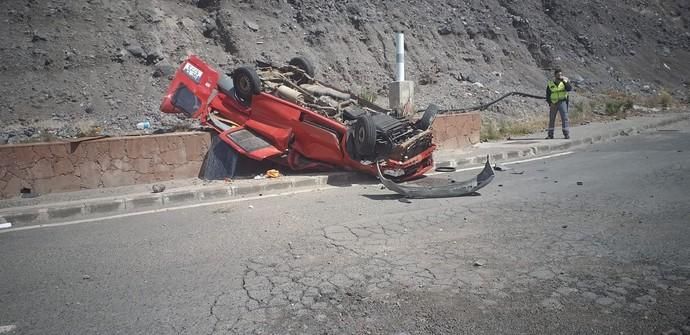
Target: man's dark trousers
<point>560,107</point>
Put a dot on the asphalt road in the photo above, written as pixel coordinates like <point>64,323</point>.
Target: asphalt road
<point>535,253</point>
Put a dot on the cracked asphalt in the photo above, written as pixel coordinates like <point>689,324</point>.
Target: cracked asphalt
<point>597,242</point>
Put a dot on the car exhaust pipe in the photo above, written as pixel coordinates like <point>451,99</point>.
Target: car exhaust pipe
<point>289,94</point>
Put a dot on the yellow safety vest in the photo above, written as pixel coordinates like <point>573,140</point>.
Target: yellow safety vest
<point>558,92</point>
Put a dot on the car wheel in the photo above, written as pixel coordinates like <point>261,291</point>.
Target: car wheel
<point>247,83</point>
<point>428,118</point>
<point>304,65</point>
<point>365,136</point>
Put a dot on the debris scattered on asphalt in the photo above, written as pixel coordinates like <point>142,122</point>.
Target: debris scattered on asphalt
<point>158,188</point>
<point>251,25</point>
<point>518,172</point>
<point>251,206</point>
<point>564,226</point>
<point>272,173</point>
<point>480,262</point>
<point>5,225</point>
<point>579,183</point>
<point>27,193</point>
<point>445,169</point>
<point>7,329</point>
<point>405,200</point>
<point>501,168</point>
<point>500,185</point>
<point>86,277</point>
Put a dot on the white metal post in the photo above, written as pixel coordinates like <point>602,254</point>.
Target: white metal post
<point>400,57</point>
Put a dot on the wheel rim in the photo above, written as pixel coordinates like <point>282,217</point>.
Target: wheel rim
<point>244,84</point>
<point>361,135</point>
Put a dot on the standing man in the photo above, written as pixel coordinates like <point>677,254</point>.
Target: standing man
<point>557,97</point>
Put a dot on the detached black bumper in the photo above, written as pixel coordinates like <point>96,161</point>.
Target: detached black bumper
<point>440,186</point>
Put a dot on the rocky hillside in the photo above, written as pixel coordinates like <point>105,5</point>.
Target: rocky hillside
<point>90,66</point>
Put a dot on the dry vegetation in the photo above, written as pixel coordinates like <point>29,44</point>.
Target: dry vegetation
<point>609,106</point>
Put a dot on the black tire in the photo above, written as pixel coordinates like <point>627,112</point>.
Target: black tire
<point>304,65</point>
<point>365,136</point>
<point>247,83</point>
<point>428,118</point>
<point>220,162</point>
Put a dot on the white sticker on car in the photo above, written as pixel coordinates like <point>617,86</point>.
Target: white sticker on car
<point>192,72</point>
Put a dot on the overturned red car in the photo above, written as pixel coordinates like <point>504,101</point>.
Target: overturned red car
<point>280,113</point>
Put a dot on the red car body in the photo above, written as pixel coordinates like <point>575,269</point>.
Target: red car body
<point>270,127</point>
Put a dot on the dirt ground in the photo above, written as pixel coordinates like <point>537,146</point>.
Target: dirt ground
<point>75,68</point>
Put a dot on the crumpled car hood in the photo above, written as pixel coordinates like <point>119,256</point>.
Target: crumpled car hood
<point>440,186</point>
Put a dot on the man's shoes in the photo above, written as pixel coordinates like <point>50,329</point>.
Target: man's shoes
<point>567,137</point>
<point>549,137</point>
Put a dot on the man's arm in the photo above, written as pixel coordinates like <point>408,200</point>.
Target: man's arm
<point>548,94</point>
<point>568,87</point>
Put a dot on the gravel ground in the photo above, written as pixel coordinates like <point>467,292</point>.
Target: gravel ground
<point>100,67</point>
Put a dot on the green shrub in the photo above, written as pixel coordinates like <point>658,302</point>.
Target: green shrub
<point>618,106</point>
<point>368,95</point>
<point>488,131</point>
<point>491,130</point>
<point>665,99</point>
<point>580,111</point>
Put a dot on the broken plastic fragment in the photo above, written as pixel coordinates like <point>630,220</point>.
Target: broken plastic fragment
<point>434,187</point>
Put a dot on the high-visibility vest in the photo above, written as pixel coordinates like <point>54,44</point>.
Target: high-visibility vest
<point>558,92</point>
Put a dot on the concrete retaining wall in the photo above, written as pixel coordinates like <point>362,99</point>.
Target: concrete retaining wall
<point>64,166</point>
<point>456,131</point>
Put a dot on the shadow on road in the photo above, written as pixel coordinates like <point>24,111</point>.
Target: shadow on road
<point>401,198</point>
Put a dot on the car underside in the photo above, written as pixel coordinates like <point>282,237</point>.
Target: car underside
<point>281,113</point>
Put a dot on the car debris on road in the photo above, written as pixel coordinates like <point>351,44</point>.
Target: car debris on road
<point>440,187</point>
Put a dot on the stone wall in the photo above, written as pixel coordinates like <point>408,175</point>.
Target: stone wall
<point>70,166</point>
<point>456,131</point>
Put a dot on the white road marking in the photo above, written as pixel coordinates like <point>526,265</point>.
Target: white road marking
<point>161,210</point>
<point>540,158</point>
<point>5,225</point>
<point>205,204</point>
<point>7,329</point>
<point>511,163</point>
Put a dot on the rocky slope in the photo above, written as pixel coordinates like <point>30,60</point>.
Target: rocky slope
<point>100,66</point>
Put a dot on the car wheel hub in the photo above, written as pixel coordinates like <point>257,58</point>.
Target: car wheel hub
<point>244,84</point>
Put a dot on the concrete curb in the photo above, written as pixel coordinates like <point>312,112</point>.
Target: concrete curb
<point>65,211</point>
<point>543,149</point>
<point>57,212</point>
<point>4,224</point>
